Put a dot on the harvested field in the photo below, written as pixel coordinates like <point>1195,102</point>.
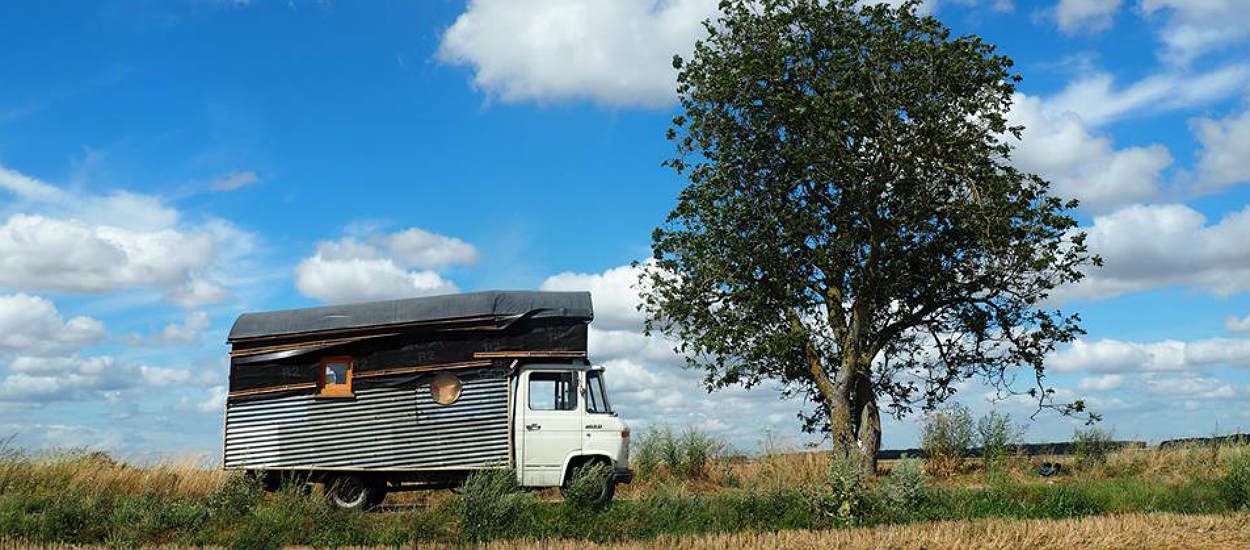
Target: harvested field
<point>1154,531</point>
<point>1135,531</point>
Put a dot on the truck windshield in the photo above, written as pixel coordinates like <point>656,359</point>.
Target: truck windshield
<point>596,393</point>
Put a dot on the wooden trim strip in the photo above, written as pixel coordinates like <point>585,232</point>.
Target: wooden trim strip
<point>511,354</point>
<point>422,368</point>
<point>302,345</point>
<point>271,389</point>
<point>368,328</point>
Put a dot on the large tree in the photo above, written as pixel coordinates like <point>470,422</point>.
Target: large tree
<point>851,226</point>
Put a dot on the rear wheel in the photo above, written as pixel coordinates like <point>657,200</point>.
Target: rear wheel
<point>353,492</point>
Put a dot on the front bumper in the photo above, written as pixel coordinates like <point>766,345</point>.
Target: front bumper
<point>622,475</point>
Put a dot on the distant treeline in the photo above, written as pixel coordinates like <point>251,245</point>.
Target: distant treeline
<point>1061,448</point>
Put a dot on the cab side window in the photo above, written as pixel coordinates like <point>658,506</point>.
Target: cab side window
<point>552,391</point>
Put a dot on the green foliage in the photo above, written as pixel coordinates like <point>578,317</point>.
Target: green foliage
<point>236,496</point>
<point>946,438</point>
<point>1235,485</point>
<point>842,500</point>
<point>838,155</point>
<point>586,486</point>
<point>905,490</point>
<point>997,435</point>
<point>686,455</point>
<point>1091,446</point>
<point>490,505</point>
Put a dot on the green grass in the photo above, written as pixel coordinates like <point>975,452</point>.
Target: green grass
<point>71,500</point>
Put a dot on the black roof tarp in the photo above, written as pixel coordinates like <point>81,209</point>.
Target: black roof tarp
<point>574,306</point>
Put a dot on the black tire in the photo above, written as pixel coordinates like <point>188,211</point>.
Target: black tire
<point>353,492</point>
<point>605,495</point>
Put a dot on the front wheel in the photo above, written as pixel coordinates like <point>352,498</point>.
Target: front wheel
<point>353,492</point>
<point>597,493</point>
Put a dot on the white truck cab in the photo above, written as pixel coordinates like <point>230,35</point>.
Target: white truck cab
<point>563,420</point>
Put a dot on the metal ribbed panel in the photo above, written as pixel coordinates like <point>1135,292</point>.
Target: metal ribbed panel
<point>383,428</point>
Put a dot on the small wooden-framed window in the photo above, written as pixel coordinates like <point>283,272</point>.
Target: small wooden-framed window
<point>334,377</point>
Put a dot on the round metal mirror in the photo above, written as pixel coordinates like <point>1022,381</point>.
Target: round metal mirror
<point>445,388</point>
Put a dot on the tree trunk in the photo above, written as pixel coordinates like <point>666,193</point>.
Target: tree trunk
<point>854,419</point>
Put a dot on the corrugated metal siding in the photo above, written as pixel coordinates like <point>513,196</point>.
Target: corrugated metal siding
<point>383,428</point>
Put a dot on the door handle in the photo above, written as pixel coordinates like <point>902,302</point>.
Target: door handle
<point>532,427</point>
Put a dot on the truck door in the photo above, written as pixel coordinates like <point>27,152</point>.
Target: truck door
<point>550,425</point>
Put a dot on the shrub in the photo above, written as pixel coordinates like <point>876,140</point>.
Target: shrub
<point>843,498</point>
<point>997,435</point>
<point>490,505</point>
<point>236,496</point>
<point>905,489</point>
<point>688,455</point>
<point>1235,485</point>
<point>1091,447</point>
<point>585,489</point>
<point>946,438</point>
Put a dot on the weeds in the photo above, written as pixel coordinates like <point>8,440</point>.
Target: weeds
<point>490,505</point>
<point>946,438</point>
<point>997,435</point>
<point>586,486</point>
<point>905,490</point>
<point>686,455</point>
<point>1091,447</point>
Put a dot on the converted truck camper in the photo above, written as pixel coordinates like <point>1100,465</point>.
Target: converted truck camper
<point>420,393</point>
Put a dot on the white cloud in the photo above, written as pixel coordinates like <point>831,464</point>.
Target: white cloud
<point>377,268</point>
<point>38,380</point>
<point>159,377</point>
<point>615,298</point>
<point>1117,356</point>
<point>234,180</point>
<point>1165,245</point>
<point>1224,158</point>
<point>1101,383</point>
<point>1192,28</point>
<point>1074,16</point>
<point>420,248</point>
<point>1192,387</point>
<point>41,253</point>
<point>187,332</point>
<point>1234,324</point>
<point>1097,100</point>
<point>614,52</point>
<point>1057,145</point>
<point>71,241</point>
<point>31,325</point>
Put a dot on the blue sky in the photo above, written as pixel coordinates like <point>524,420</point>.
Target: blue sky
<point>165,166</point>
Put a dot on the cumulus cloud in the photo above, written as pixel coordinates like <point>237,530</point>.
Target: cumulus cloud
<point>379,267</point>
<point>41,253</point>
<point>40,380</point>
<point>31,325</point>
<point>1075,16</point>
<point>1224,156</point>
<point>1148,246</point>
<point>1057,145</point>
<point>1237,324</point>
<point>188,331</point>
<point>1190,29</point>
<point>421,248</point>
<point>614,52</point>
<point>56,240</point>
<point>234,180</point>
<point>1097,99</point>
<point>1101,383</point>
<point>1118,356</point>
<point>614,293</point>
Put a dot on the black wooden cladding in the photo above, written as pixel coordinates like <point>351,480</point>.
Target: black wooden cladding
<point>415,348</point>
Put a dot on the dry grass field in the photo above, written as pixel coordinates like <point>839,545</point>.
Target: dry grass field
<point>1183,497</point>
<point>1121,532</point>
